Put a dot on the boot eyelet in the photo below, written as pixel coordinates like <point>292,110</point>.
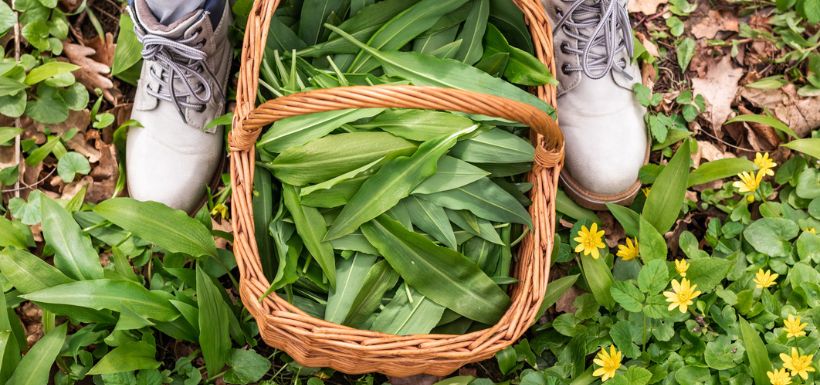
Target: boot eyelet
<point>564,47</point>
<point>565,69</point>
<point>559,12</point>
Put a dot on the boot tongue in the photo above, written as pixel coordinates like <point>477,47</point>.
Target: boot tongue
<point>176,29</point>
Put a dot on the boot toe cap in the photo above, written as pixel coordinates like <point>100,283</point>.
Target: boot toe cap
<point>157,172</point>
<point>605,152</point>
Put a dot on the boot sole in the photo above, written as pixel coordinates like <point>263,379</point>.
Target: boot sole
<point>595,201</point>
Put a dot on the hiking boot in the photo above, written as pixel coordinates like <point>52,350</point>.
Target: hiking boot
<point>173,156</point>
<point>602,122</point>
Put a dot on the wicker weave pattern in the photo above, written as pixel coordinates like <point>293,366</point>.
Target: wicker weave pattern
<point>315,342</point>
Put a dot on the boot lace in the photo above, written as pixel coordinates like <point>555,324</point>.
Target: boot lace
<point>181,62</point>
<point>601,29</point>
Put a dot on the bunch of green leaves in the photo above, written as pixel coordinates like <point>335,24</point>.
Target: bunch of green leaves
<point>400,221</point>
<point>112,320</point>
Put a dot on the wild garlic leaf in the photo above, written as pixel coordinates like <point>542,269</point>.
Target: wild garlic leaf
<point>394,181</point>
<point>441,274</point>
<point>333,155</point>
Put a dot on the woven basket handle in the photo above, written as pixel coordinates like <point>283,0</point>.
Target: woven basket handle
<point>248,121</point>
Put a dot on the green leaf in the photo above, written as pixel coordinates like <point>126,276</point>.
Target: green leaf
<point>484,199</point>
<point>154,222</point>
<point>472,32</point>
<point>49,107</point>
<point>8,133</point>
<point>334,155</point>
<point>417,125</point>
<point>719,169</point>
<point>73,252</point>
<point>439,273</point>
<point>507,359</point>
<point>9,87</point>
<point>722,354</point>
<point>314,14</point>
<point>635,375</point>
<point>555,289</point>
<point>393,182</point>
<point>599,279</point>
<point>214,323</point>
<point>767,120</point>
<point>263,210</point>
<point>494,146</point>
<point>510,20</point>
<point>408,313</point>
<point>708,272</point>
<point>298,130</point>
<point>312,229</point>
<point>400,30</point>
<point>128,48</point>
<point>350,275</point>
<point>755,352</point>
<point>627,295</point>
<point>450,173</point>
<point>49,70</point>
<point>380,278</point>
<point>35,367</point>
<point>424,70</point>
<point>666,197</point>
<point>70,164</point>
<point>685,51</point>
<point>653,277</point>
<point>771,236</point>
<point>27,272</point>
<point>246,367</point>
<point>522,67</point>
<point>7,18</point>
<point>651,244</point>
<point>808,146</point>
<point>14,234</point>
<point>108,294</point>
<point>628,218</point>
<point>130,356</point>
<point>622,337</point>
<point>431,219</point>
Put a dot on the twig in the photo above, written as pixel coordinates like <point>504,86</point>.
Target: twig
<point>16,190</point>
<point>18,149</point>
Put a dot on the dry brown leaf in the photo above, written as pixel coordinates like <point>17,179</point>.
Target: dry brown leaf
<point>647,7</point>
<point>719,88</point>
<point>104,49</point>
<point>566,302</point>
<point>707,26</point>
<point>707,151</point>
<point>92,73</point>
<point>801,114</point>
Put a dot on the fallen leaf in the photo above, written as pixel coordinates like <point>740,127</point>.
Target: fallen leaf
<point>799,113</point>
<point>647,7</point>
<point>92,74</point>
<point>104,49</point>
<point>707,26</point>
<point>707,151</point>
<point>719,88</point>
<point>566,301</point>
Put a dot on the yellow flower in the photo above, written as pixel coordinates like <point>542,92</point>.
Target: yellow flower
<point>764,279</point>
<point>681,295</point>
<point>748,183</point>
<point>629,251</point>
<point>764,163</point>
<point>779,377</point>
<point>797,364</point>
<point>609,363</point>
<point>646,191</point>
<point>590,240</point>
<point>810,230</point>
<point>793,327</point>
<point>681,266</point>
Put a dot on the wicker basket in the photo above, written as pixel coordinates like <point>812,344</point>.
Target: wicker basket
<point>317,343</point>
